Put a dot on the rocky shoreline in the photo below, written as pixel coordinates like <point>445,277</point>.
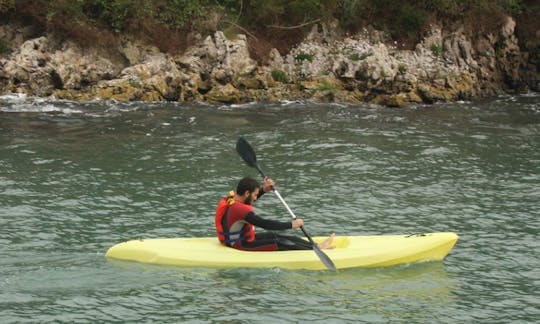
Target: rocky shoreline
<point>325,67</point>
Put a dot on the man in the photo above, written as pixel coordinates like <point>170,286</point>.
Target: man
<point>235,222</point>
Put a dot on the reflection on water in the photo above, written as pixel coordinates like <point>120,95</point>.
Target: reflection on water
<point>77,178</point>
<point>354,294</point>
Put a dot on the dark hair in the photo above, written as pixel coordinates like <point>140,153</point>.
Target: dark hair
<point>247,184</point>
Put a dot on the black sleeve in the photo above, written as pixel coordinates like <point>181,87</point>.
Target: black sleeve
<point>267,223</point>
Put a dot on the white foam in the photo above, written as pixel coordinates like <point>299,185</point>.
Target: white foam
<point>32,108</point>
<point>14,97</point>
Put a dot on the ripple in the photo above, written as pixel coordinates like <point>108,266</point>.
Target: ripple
<point>436,151</point>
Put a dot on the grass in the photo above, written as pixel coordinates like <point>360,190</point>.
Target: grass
<point>358,56</point>
<point>280,76</point>
<point>304,56</point>
<point>4,48</point>
<point>436,50</point>
<point>326,86</point>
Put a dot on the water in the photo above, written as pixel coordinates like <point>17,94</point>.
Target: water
<point>76,179</point>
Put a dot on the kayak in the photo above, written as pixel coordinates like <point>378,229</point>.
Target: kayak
<point>349,252</point>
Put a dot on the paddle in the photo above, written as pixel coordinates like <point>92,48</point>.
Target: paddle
<point>248,155</point>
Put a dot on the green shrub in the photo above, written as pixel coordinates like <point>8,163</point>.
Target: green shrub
<point>436,49</point>
<point>4,48</point>
<point>72,9</point>
<point>178,13</point>
<point>354,57</point>
<point>304,10</point>
<point>119,15</point>
<point>326,86</point>
<point>258,13</point>
<point>358,56</point>
<point>354,14</point>
<point>135,83</point>
<point>303,56</point>
<point>114,14</point>
<point>280,76</point>
<point>516,7</point>
<point>403,68</point>
<point>410,20</point>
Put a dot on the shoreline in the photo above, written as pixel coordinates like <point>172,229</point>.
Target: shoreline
<point>360,69</point>
<point>26,104</point>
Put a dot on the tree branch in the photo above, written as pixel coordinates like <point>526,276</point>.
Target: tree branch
<point>241,28</point>
<point>294,27</point>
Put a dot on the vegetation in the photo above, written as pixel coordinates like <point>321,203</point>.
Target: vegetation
<point>3,47</point>
<point>135,83</point>
<point>326,86</point>
<point>280,76</point>
<point>436,50</point>
<point>358,56</point>
<point>303,56</point>
<point>403,68</point>
<point>268,23</point>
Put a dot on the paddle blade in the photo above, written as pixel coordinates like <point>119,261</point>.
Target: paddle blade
<point>246,152</point>
<point>324,258</point>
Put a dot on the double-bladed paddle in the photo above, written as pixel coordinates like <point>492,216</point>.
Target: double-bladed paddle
<point>248,155</point>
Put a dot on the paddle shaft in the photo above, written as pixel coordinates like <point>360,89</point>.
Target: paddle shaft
<point>292,214</point>
<point>286,206</point>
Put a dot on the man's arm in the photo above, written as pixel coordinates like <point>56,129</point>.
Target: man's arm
<point>267,223</point>
<point>268,184</point>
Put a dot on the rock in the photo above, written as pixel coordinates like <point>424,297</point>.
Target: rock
<point>135,52</point>
<point>507,30</point>
<point>227,94</point>
<point>458,50</point>
<point>399,100</point>
<point>38,68</point>
<point>77,70</point>
<point>275,59</point>
<point>509,56</point>
<point>156,78</point>
<point>255,82</point>
<point>28,70</point>
<point>234,55</point>
<point>13,36</point>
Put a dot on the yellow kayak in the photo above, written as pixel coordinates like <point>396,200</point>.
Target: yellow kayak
<point>350,252</point>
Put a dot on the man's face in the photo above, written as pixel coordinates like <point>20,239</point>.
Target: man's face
<point>252,196</point>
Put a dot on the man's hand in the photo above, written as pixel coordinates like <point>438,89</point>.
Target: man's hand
<point>296,223</point>
<point>268,184</point>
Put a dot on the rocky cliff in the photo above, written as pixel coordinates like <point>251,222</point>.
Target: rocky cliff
<point>366,67</point>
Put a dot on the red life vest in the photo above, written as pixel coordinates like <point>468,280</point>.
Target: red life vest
<point>231,226</point>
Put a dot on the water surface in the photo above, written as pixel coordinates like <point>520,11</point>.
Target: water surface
<point>77,178</point>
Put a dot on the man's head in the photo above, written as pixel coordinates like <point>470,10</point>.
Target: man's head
<point>249,189</point>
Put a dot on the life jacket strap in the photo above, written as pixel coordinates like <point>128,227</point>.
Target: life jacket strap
<point>230,242</point>
<point>234,240</point>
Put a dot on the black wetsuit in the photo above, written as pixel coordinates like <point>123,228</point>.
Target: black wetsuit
<point>271,241</point>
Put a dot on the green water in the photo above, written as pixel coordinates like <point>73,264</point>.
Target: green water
<point>76,179</point>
